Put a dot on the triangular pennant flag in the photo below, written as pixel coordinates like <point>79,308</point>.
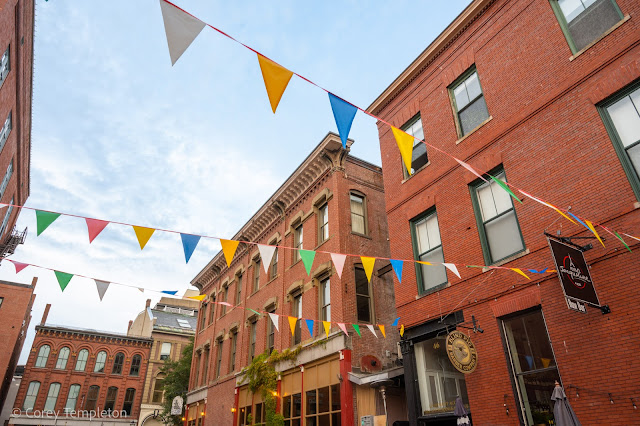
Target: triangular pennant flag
<point>535,271</point>
<point>405,145</point>
<point>529,359</point>
<point>381,327</point>
<point>631,236</point>
<point>551,206</point>
<point>189,243</point>
<point>292,324</point>
<point>580,221</point>
<point>266,254</point>
<point>255,312</point>
<point>397,267</point>
<point>143,234</point>
<point>452,268</point>
<point>471,169</point>
<point>95,227</point>
<point>590,226</point>
<point>338,261</point>
<point>199,298</point>
<point>276,78</point>
<point>520,272</point>
<point>44,219</point>
<point>274,319</point>
<point>181,29</point>
<point>141,290</point>
<point>367,263</point>
<point>356,327</point>
<point>63,279</point>
<point>395,322</point>
<point>229,249</point>
<point>372,330</point>
<point>309,325</point>
<point>307,257</point>
<point>620,238</point>
<point>545,362</point>
<point>327,327</point>
<point>506,188</point>
<point>102,287</point>
<point>225,304</point>
<point>171,292</point>
<point>19,265</point>
<point>402,330</point>
<point>423,262</point>
<point>344,113</point>
<point>343,328</point>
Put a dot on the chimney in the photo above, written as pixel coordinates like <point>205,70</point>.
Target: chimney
<point>148,303</point>
<point>34,281</point>
<point>130,324</point>
<point>45,314</point>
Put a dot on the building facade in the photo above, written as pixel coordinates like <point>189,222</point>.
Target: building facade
<point>16,78</point>
<point>332,203</point>
<point>16,301</point>
<point>171,324</point>
<point>79,376</point>
<point>544,95</point>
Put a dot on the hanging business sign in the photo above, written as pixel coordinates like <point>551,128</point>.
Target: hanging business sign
<point>176,406</point>
<point>573,273</point>
<point>462,352</point>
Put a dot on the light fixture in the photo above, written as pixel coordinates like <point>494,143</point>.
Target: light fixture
<point>233,409</point>
<point>202,413</point>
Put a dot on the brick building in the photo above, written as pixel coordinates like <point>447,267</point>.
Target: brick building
<point>16,301</point>
<point>78,376</point>
<point>16,73</point>
<point>332,202</point>
<point>544,95</point>
<point>171,324</point>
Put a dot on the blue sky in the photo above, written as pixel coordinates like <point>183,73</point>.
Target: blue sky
<point>119,134</point>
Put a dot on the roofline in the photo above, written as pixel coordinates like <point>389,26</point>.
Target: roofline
<point>16,284</point>
<point>92,332</point>
<point>431,52</point>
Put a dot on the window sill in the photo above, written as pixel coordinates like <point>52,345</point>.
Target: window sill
<point>416,172</point>
<point>361,235</point>
<point>606,33</point>
<point>321,244</point>
<point>474,130</point>
<point>433,290</point>
<point>506,260</point>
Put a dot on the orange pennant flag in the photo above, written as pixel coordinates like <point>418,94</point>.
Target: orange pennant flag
<point>381,327</point>
<point>276,78</point>
<point>520,272</point>
<point>367,263</point>
<point>292,324</point>
<point>402,330</point>
<point>200,297</point>
<point>229,249</point>
<point>143,235</point>
<point>423,263</point>
<point>590,225</point>
<point>405,145</point>
<point>327,327</point>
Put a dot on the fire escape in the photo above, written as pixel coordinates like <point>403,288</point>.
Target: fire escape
<point>8,246</point>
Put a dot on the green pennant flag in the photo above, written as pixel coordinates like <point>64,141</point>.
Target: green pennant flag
<point>620,238</point>
<point>505,187</point>
<point>356,327</point>
<point>44,219</point>
<point>63,279</point>
<point>255,312</point>
<point>307,257</point>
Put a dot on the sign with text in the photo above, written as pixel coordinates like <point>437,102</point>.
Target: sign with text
<point>574,273</point>
<point>176,406</point>
<point>576,306</point>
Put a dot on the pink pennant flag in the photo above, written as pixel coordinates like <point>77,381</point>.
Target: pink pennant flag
<point>468,167</point>
<point>225,304</point>
<point>343,328</point>
<point>95,227</point>
<point>631,236</point>
<point>338,261</point>
<point>372,330</point>
<point>141,290</point>
<point>19,265</point>
<point>452,268</point>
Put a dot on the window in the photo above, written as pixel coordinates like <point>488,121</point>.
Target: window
<point>128,400</point>
<point>112,394</point>
<point>323,223</point>
<point>533,363</point>
<point>297,242</point>
<point>92,398</point>
<point>212,309</point>
<point>7,215</point>
<point>63,357</point>
<point>205,372</point>
<point>234,345</point>
<point>584,21</point>
<point>118,361</point>
<point>297,312</point>
<point>497,221</point>
<point>81,362</point>
<point>203,318</point>
<point>273,270</point>
<point>468,102</point>
<point>271,333</point>
<point>325,300</point>
<point>101,360</point>
<point>256,275</point>
<point>419,154</point>
<point>252,340</point>
<point>6,179</point>
<point>72,398</point>
<point>43,356</point>
<point>323,406</point>
<point>238,289</point>
<point>358,214</point>
<point>621,116</point>
<point>225,293</point>
<point>427,247</point>
<point>1,300</point>
<point>135,365</point>
<point>197,379</point>
<point>165,351</point>
<point>5,65</point>
<point>363,296</point>
<point>5,130</point>
<point>32,394</point>
<point>292,409</point>
<point>183,323</point>
<point>158,389</point>
<point>219,357</point>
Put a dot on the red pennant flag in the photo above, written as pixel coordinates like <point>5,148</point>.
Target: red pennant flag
<point>95,227</point>
<point>19,265</point>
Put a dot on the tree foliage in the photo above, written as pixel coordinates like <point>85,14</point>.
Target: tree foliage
<point>176,382</point>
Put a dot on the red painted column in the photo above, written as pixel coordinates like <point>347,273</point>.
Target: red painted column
<point>185,419</point>
<point>279,397</point>
<point>346,390</point>
<point>235,407</point>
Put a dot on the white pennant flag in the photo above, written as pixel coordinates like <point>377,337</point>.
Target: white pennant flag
<point>141,290</point>
<point>266,253</point>
<point>370,327</point>
<point>102,287</point>
<point>452,268</point>
<point>338,261</point>
<point>274,319</point>
<point>181,29</point>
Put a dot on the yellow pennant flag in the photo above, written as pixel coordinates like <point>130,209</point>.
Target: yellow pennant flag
<point>327,327</point>
<point>292,324</point>
<point>424,263</point>
<point>590,225</point>
<point>143,235</point>
<point>381,327</point>
<point>200,297</point>
<point>229,249</point>
<point>545,362</point>
<point>367,263</point>
<point>520,272</point>
<point>402,330</point>
<point>564,215</point>
<point>276,78</point>
<point>405,145</point>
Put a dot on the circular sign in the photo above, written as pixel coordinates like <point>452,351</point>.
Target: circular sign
<point>462,353</point>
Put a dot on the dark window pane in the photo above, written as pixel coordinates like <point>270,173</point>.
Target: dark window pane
<point>473,115</point>
<point>286,407</point>
<point>323,400</point>
<point>538,387</point>
<point>311,402</point>
<point>311,421</point>
<point>594,21</point>
<point>419,156</point>
<point>335,419</point>
<point>297,405</point>
<point>364,313</point>
<point>335,397</point>
<point>258,414</point>
<point>296,422</point>
<point>324,420</point>
<point>362,284</point>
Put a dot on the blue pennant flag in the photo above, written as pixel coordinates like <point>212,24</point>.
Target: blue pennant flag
<point>344,113</point>
<point>397,267</point>
<point>535,271</point>
<point>581,222</point>
<point>173,293</point>
<point>395,322</point>
<point>309,325</point>
<point>189,243</point>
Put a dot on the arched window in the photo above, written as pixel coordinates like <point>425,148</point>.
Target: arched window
<point>112,394</point>
<point>72,398</point>
<point>92,398</point>
<point>128,400</point>
<point>81,362</point>
<point>52,397</point>
<point>135,366</point>
<point>63,357</point>
<point>32,394</point>
<point>43,356</point>
<point>117,363</point>
<point>101,359</point>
